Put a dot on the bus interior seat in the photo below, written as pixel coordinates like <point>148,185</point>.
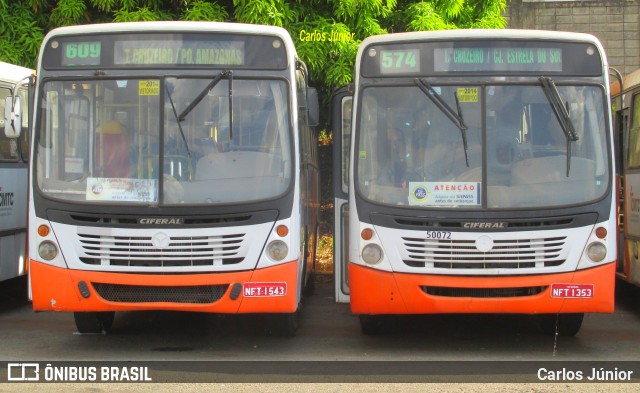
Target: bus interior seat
<point>502,152</point>
<point>460,171</point>
<point>113,156</point>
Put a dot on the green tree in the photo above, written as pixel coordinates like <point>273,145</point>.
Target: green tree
<point>21,33</point>
<point>326,32</point>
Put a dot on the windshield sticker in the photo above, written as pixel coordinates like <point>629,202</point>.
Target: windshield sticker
<point>444,193</point>
<point>73,165</point>
<point>121,190</point>
<point>468,94</point>
<point>149,88</point>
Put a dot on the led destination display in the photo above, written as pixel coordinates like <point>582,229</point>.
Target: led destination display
<point>149,50</point>
<point>517,57</point>
<point>497,59</point>
<point>179,52</point>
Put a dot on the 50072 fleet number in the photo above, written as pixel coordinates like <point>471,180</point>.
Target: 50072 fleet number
<point>439,235</point>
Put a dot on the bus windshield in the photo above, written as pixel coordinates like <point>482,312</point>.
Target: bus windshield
<point>518,155</point>
<point>123,141</point>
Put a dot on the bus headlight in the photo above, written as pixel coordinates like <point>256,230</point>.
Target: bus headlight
<point>47,250</point>
<point>277,250</point>
<point>372,254</point>
<point>596,251</point>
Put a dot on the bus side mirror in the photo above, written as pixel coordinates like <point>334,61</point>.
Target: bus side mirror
<point>313,107</point>
<point>12,117</point>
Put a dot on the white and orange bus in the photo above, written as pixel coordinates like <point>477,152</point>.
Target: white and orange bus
<point>481,178</point>
<point>174,168</point>
<point>625,102</point>
<point>14,159</point>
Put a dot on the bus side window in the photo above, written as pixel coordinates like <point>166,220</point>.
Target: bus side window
<point>77,126</point>
<point>8,146</point>
<point>547,137</point>
<point>634,130</point>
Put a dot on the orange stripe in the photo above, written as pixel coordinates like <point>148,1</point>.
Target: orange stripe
<point>56,289</point>
<point>379,292</point>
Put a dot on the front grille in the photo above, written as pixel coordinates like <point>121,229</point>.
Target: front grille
<point>200,294</point>
<point>457,225</point>
<point>188,220</point>
<point>483,292</point>
<point>463,254</point>
<point>179,251</point>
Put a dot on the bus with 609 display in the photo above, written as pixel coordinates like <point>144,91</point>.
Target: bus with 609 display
<point>174,169</point>
<point>475,174</point>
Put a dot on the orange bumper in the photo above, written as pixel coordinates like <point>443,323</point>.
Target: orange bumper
<point>379,292</point>
<point>57,289</point>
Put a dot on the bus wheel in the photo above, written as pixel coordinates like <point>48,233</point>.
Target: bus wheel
<point>566,325</point>
<point>94,322</point>
<point>310,287</point>
<point>378,324</point>
<point>285,325</point>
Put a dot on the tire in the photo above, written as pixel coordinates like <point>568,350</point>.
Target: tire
<point>378,324</point>
<point>310,287</point>
<point>566,325</point>
<point>285,325</point>
<point>106,319</point>
<point>94,322</point>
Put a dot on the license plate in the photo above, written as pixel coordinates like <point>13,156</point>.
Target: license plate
<point>264,289</point>
<point>572,290</point>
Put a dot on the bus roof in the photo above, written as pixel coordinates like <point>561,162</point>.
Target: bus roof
<point>482,34</point>
<point>13,73</point>
<point>177,27</point>
<point>173,26</point>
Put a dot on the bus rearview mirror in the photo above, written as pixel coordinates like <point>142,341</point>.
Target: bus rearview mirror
<point>313,106</point>
<point>12,117</point>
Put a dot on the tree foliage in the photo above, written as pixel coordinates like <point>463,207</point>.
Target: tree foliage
<point>326,32</point>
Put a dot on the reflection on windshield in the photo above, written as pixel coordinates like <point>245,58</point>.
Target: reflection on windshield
<point>561,113</point>
<point>411,153</point>
<point>455,117</point>
<point>252,163</point>
<point>110,141</point>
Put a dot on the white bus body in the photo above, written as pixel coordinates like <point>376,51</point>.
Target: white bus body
<point>14,159</point>
<point>451,209</point>
<point>175,169</point>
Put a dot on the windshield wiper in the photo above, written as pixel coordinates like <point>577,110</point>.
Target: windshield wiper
<point>175,114</point>
<point>562,114</point>
<point>224,74</point>
<point>455,117</point>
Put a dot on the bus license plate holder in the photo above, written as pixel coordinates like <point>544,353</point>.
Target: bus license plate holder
<point>264,289</point>
<point>572,291</point>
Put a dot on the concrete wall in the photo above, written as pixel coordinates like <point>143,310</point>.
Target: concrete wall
<point>616,23</point>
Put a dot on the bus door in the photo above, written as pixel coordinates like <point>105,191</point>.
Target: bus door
<point>341,126</point>
<point>630,171</point>
<point>621,116</point>
<point>13,179</point>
